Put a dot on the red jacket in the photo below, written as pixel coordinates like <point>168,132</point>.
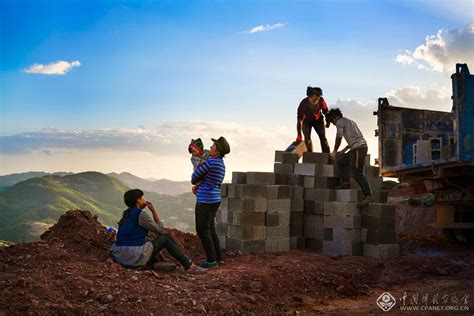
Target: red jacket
<point>309,112</point>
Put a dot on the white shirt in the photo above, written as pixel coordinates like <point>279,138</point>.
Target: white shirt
<point>350,131</point>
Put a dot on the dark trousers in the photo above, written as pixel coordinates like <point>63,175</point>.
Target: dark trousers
<point>166,241</point>
<point>318,126</point>
<point>355,159</point>
<point>205,228</point>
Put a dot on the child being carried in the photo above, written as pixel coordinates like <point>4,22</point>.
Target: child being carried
<point>198,156</point>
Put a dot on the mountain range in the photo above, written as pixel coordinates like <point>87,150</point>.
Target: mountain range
<point>28,207</point>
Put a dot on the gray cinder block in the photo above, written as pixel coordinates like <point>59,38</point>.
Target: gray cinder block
<point>316,158</point>
<point>309,182</point>
<point>314,244</point>
<point>342,221</point>
<point>323,195</point>
<point>329,171</point>
<point>313,207</point>
<point>279,205</point>
<point>378,223</point>
<point>307,169</point>
<point>224,204</point>
<point>224,189</point>
<point>342,234</point>
<point>222,229</point>
<point>277,232</point>
<point>274,192</point>
<point>296,217</point>
<point>297,205</point>
<point>281,179</point>
<point>296,229</point>
<point>343,248</point>
<point>246,218</point>
<point>234,191</point>
<point>297,243</point>
<point>252,191</point>
<point>382,250</point>
<point>239,177</point>
<point>371,171</point>
<point>285,157</point>
<point>377,237</point>
<point>379,210</point>
<point>277,219</point>
<point>247,232</point>
<point>341,208</point>
<point>222,216</point>
<point>298,192</point>
<point>295,179</point>
<point>277,245</point>
<point>260,178</point>
<point>284,168</point>
<point>222,242</point>
<point>247,246</point>
<point>348,195</point>
<point>380,196</point>
<point>248,205</point>
<point>326,182</point>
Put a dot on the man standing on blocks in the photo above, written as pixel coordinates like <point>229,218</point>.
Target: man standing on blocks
<point>357,147</point>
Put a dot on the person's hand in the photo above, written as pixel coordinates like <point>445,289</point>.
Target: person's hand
<point>333,155</point>
<point>150,205</point>
<point>299,138</point>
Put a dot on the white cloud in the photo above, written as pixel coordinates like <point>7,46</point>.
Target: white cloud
<point>60,67</point>
<point>442,51</point>
<point>412,97</point>
<point>268,27</point>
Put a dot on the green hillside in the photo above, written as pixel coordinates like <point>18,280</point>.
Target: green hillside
<point>29,206</point>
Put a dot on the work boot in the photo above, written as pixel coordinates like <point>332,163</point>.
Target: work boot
<point>366,200</point>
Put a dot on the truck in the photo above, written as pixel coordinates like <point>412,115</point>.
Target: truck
<point>433,151</point>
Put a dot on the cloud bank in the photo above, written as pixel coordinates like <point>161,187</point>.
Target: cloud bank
<point>268,27</point>
<point>442,51</point>
<point>60,67</point>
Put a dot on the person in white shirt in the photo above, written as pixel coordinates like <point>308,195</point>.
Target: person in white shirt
<point>357,146</point>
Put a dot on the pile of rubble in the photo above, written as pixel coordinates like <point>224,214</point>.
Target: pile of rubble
<point>306,206</point>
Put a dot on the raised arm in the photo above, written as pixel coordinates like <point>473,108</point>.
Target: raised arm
<point>200,172</point>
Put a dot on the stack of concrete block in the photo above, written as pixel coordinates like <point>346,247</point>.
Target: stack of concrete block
<point>378,231</point>
<point>302,206</point>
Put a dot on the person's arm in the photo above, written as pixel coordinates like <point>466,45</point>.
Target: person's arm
<point>299,122</point>
<point>324,106</point>
<point>200,172</point>
<point>152,224</point>
<point>339,133</point>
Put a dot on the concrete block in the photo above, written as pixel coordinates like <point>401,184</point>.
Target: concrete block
<point>342,234</point>
<point>375,183</point>
<point>279,205</point>
<point>281,179</point>
<point>296,218</point>
<point>371,171</point>
<point>379,210</point>
<point>382,250</point>
<point>222,242</point>
<point>343,172</point>
<point>342,248</point>
<point>297,243</point>
<point>284,168</point>
<point>274,192</point>
<point>380,196</point>
<point>248,205</point>
<point>341,208</point>
<point>316,158</point>
<point>323,195</point>
<point>234,191</point>
<point>314,226</point>
<point>252,191</point>
<point>306,169</point>
<point>222,229</point>
<point>296,229</point>
<point>277,219</point>
<point>260,178</point>
<point>286,157</point>
<point>239,177</point>
<point>313,207</point>
<point>247,232</point>
<point>326,182</point>
<point>277,232</point>
<point>248,246</point>
<point>377,237</point>
<point>378,223</point>
<point>277,245</point>
<point>342,221</point>
<point>222,216</point>
<point>296,205</point>
<point>328,171</point>
<point>224,204</point>
<point>367,160</point>
<point>348,195</point>
<point>298,192</point>
<point>309,182</point>
<point>224,187</point>
<point>295,179</point>
<point>314,244</point>
<point>284,245</point>
<point>246,218</point>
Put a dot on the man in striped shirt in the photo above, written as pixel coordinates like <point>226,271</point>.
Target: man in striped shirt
<point>208,198</point>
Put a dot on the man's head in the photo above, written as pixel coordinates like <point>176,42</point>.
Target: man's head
<point>134,198</point>
<point>314,94</point>
<point>220,148</point>
<point>333,116</point>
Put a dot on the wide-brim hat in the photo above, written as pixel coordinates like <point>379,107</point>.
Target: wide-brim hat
<point>222,145</point>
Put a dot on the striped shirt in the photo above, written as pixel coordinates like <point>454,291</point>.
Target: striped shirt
<point>211,172</point>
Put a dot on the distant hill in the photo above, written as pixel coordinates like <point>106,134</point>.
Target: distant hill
<point>28,207</point>
<point>162,186</point>
<point>14,178</point>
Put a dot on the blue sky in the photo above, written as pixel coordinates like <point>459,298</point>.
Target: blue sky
<point>143,63</point>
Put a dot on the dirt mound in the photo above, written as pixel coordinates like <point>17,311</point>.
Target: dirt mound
<point>190,243</point>
<point>81,231</point>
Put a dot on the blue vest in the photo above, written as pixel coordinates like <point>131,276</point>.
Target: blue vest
<point>131,233</point>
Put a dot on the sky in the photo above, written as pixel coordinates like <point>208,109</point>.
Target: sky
<point>116,86</point>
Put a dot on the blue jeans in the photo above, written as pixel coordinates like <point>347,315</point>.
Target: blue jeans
<point>355,159</point>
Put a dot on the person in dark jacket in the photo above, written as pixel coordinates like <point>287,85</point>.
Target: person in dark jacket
<point>310,115</point>
<point>208,198</point>
<point>133,248</point>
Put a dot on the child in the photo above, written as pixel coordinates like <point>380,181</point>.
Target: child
<point>198,156</point>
